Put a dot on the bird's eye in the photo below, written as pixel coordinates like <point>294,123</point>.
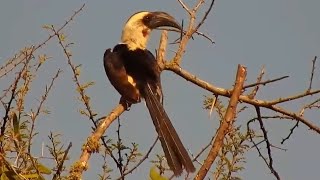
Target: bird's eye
<point>147,18</point>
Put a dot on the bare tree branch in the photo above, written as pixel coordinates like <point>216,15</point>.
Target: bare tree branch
<point>265,82</point>
<point>184,32</point>
<point>205,16</point>
<point>60,166</point>
<point>254,91</point>
<point>184,6</point>
<point>162,49</point>
<point>291,132</point>
<point>256,102</point>
<point>266,139</point>
<point>226,123</point>
<point>312,73</point>
<point>141,160</point>
<point>190,30</point>
<point>92,144</point>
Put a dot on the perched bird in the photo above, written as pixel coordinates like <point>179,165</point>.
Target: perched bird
<point>135,74</point>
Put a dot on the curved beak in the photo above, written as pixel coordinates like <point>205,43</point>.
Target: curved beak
<point>161,19</point>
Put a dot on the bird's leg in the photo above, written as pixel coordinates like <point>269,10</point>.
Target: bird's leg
<point>125,103</point>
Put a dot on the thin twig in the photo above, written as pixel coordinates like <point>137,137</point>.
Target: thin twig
<point>81,91</point>
<point>119,148</point>
<point>290,98</point>
<point>203,149</point>
<point>35,115</point>
<point>140,162</point>
<point>13,93</point>
<point>291,132</point>
<point>312,73</point>
<point>60,166</point>
<point>82,164</point>
<point>254,91</point>
<point>184,32</point>
<point>190,31</point>
<point>184,6</point>
<point>265,135</point>
<point>254,143</point>
<point>256,102</point>
<point>197,6</point>
<point>265,82</point>
<point>205,16</point>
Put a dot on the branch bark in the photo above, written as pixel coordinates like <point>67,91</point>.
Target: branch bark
<point>255,102</point>
<point>224,127</point>
<point>92,144</point>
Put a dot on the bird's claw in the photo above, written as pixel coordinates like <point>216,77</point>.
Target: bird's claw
<point>125,103</point>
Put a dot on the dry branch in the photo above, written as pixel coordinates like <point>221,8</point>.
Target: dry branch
<point>92,144</point>
<point>226,123</point>
<point>162,49</point>
<point>268,144</point>
<point>191,29</point>
<point>140,161</point>
<point>256,102</point>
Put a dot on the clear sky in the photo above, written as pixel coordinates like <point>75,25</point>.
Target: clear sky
<point>282,35</point>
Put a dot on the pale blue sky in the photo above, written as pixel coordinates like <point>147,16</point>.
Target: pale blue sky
<point>282,35</point>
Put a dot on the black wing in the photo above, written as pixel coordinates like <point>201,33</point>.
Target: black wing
<point>117,75</point>
<point>142,66</point>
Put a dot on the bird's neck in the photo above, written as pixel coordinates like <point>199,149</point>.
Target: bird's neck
<point>135,38</point>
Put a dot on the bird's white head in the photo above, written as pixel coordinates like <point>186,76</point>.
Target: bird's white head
<point>137,29</point>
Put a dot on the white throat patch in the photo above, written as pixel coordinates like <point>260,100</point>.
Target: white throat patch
<point>135,34</point>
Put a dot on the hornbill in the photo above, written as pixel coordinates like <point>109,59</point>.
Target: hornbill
<point>135,74</point>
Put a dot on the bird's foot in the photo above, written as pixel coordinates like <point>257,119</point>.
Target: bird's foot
<point>126,104</point>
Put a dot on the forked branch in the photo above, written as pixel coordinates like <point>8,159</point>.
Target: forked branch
<point>225,124</point>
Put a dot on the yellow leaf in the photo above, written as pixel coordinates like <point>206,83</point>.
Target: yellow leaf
<point>155,175</point>
<point>43,169</point>
<point>69,53</point>
<point>62,37</point>
<point>77,71</point>
<point>88,84</point>
<point>42,58</point>
<point>47,26</point>
<point>16,125</point>
<point>4,176</point>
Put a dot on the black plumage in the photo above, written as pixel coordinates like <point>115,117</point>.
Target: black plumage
<point>135,74</point>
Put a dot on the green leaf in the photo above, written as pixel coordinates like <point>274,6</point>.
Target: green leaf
<point>43,169</point>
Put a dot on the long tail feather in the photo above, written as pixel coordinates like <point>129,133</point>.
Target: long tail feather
<point>177,156</point>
